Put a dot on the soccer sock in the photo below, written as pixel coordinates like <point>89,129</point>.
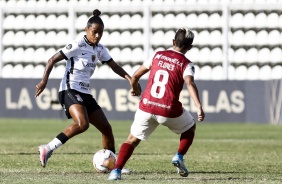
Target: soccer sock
<point>112,149</point>
<point>186,139</point>
<point>124,154</point>
<point>58,141</point>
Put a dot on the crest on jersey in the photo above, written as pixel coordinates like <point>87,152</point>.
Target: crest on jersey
<point>93,58</point>
<point>98,53</point>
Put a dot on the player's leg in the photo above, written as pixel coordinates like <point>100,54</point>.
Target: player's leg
<point>80,121</point>
<point>126,151</point>
<point>78,113</point>
<point>184,125</point>
<point>124,154</point>
<point>99,120</point>
<point>186,140</point>
<point>79,125</point>
<point>141,128</point>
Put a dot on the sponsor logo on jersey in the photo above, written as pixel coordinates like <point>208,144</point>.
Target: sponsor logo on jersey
<point>145,100</point>
<point>84,84</point>
<point>69,46</point>
<point>169,59</point>
<point>148,102</point>
<point>158,56</point>
<point>89,64</point>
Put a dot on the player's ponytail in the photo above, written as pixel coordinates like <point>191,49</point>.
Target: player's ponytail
<point>95,18</point>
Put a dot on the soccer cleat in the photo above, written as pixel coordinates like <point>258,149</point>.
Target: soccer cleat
<point>177,161</point>
<point>115,175</point>
<point>44,154</point>
<point>125,171</point>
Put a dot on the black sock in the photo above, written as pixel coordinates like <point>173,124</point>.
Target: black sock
<point>62,137</point>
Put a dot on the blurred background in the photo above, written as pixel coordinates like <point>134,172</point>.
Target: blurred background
<point>235,40</point>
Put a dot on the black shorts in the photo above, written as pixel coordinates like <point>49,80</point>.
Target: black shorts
<point>70,97</point>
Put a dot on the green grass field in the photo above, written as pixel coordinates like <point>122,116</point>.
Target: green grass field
<point>221,153</point>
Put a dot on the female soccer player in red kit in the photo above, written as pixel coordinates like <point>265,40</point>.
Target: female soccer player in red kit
<point>160,103</point>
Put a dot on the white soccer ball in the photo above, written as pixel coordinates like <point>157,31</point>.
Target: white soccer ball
<point>104,161</point>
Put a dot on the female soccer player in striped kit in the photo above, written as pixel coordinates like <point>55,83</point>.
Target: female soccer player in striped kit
<point>81,55</point>
<point>160,104</point>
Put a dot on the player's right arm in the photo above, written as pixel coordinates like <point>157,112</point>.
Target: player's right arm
<point>135,88</point>
<point>49,66</point>
<point>143,69</point>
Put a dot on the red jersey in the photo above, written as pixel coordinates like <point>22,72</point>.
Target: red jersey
<point>165,82</point>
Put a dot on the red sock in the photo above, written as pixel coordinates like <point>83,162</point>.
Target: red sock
<point>124,154</point>
<point>186,140</point>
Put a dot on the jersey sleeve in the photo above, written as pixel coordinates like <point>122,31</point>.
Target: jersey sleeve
<point>148,63</point>
<point>189,70</point>
<point>105,56</point>
<point>70,50</point>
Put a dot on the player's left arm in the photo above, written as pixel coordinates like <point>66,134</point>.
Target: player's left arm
<point>119,70</point>
<point>193,92</point>
<point>188,76</point>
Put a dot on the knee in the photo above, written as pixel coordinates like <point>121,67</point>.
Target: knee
<point>82,126</point>
<point>134,141</point>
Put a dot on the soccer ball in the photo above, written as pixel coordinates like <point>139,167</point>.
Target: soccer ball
<point>104,161</point>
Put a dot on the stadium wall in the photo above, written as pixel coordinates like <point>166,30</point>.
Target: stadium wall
<point>223,101</point>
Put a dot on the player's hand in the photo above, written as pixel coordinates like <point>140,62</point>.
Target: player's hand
<point>136,90</point>
<point>40,88</point>
<point>201,114</point>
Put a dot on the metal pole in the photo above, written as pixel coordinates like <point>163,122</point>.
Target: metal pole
<point>147,31</point>
<point>225,45</point>
<point>71,26</point>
